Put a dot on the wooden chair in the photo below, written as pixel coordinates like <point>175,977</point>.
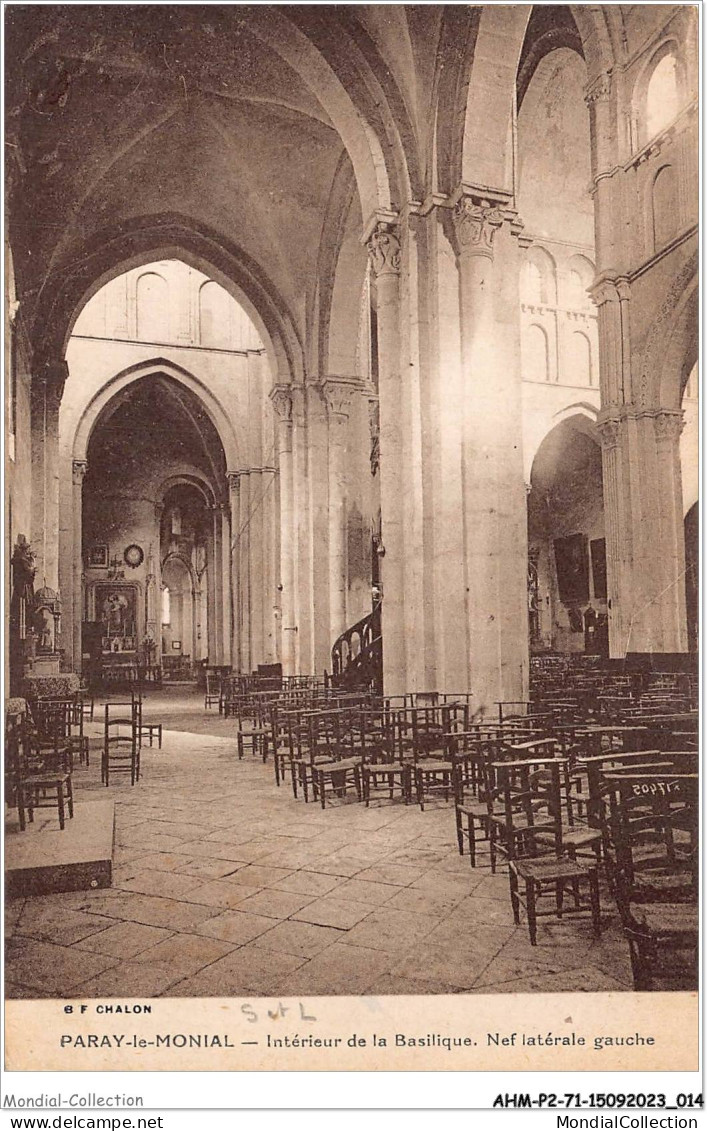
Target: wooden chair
<point>150,731</point>
<point>381,764</point>
<point>40,777</point>
<point>332,761</point>
<point>121,743</point>
<point>654,828</point>
<point>213,690</point>
<point>532,806</point>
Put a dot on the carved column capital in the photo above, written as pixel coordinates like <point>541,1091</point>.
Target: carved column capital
<point>281,397</point>
<point>599,90</point>
<point>384,249</point>
<point>669,424</point>
<point>339,393</point>
<point>610,432</point>
<point>233,479</point>
<point>50,377</point>
<point>476,222</point>
<point>79,467</point>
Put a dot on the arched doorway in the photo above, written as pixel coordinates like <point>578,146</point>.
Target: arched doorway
<point>567,596</point>
<point>150,432</point>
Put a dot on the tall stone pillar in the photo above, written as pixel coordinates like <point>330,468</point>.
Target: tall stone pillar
<point>339,393</point>
<point>217,563</point>
<point>304,597</point>
<point>384,251</point>
<point>234,499</point>
<point>281,397</point>
<point>226,590</point>
<point>268,566</point>
<point>243,557</point>
<point>79,468</point>
<point>46,393</point>
<point>494,499</point>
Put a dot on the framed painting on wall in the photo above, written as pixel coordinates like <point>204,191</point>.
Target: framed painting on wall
<point>97,556</point>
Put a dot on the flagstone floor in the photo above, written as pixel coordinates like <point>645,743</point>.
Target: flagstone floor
<point>225,885</point>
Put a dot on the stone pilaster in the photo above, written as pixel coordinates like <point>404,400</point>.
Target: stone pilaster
<point>339,394</point>
<point>79,467</point>
<point>384,250</point>
<point>281,398</point>
<point>494,498</point>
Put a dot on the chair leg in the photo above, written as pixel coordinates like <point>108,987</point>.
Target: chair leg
<point>559,894</point>
<point>596,906</point>
<point>530,895</point>
<point>460,833</point>
<point>60,803</point>
<point>515,902</point>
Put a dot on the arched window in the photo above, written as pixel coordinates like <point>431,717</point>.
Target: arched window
<point>166,615</point>
<point>152,308</point>
<point>662,100</point>
<point>214,316</point>
<point>540,280</point>
<point>175,521</point>
<point>579,280</point>
<point>580,368</point>
<point>664,206</point>
<point>536,365</point>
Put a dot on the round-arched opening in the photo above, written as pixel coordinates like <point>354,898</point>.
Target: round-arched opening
<point>567,591</point>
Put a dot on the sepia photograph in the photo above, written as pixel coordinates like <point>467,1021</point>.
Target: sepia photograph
<point>351,519</point>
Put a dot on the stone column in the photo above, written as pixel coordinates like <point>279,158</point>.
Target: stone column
<point>303,593</point>
<point>281,397</point>
<point>269,571</point>
<point>615,526</point>
<point>494,500</point>
<point>339,393</point>
<point>234,498</point>
<point>159,508</point>
<point>217,568</point>
<point>242,551</point>
<point>79,468</point>
<point>47,388</point>
<point>226,590</point>
<point>657,579</point>
<point>384,251</point>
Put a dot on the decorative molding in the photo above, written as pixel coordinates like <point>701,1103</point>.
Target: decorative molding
<point>657,338</point>
<point>599,90</point>
<point>384,249</point>
<point>476,222</point>
<point>233,479</point>
<point>281,398</point>
<point>79,467</point>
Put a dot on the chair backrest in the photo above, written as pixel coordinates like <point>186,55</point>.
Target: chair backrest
<point>532,800</point>
<point>649,812</point>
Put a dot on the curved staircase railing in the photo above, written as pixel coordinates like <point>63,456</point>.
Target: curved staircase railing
<point>357,655</point>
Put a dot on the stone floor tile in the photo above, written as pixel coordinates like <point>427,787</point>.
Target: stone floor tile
<point>159,861</point>
<point>305,939</point>
<point>46,966</point>
<point>276,904</point>
<point>367,891</point>
<point>586,979</point>
<point>435,904</point>
<point>247,970</point>
<point>384,873</point>
<point>308,883</point>
<point>172,885</point>
<point>235,926</point>
<point>186,954</point>
<point>340,969</point>
<point>447,883</point>
<point>155,911</point>
<point>332,912</point>
<point>142,980</point>
<point>478,910</point>
<point>207,869</point>
<point>221,893</point>
<point>401,983</point>
<point>261,875</point>
<point>340,865</point>
<point>212,850</point>
<point>58,924</point>
<point>507,967</point>
<point>392,931</point>
<point>123,940</point>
